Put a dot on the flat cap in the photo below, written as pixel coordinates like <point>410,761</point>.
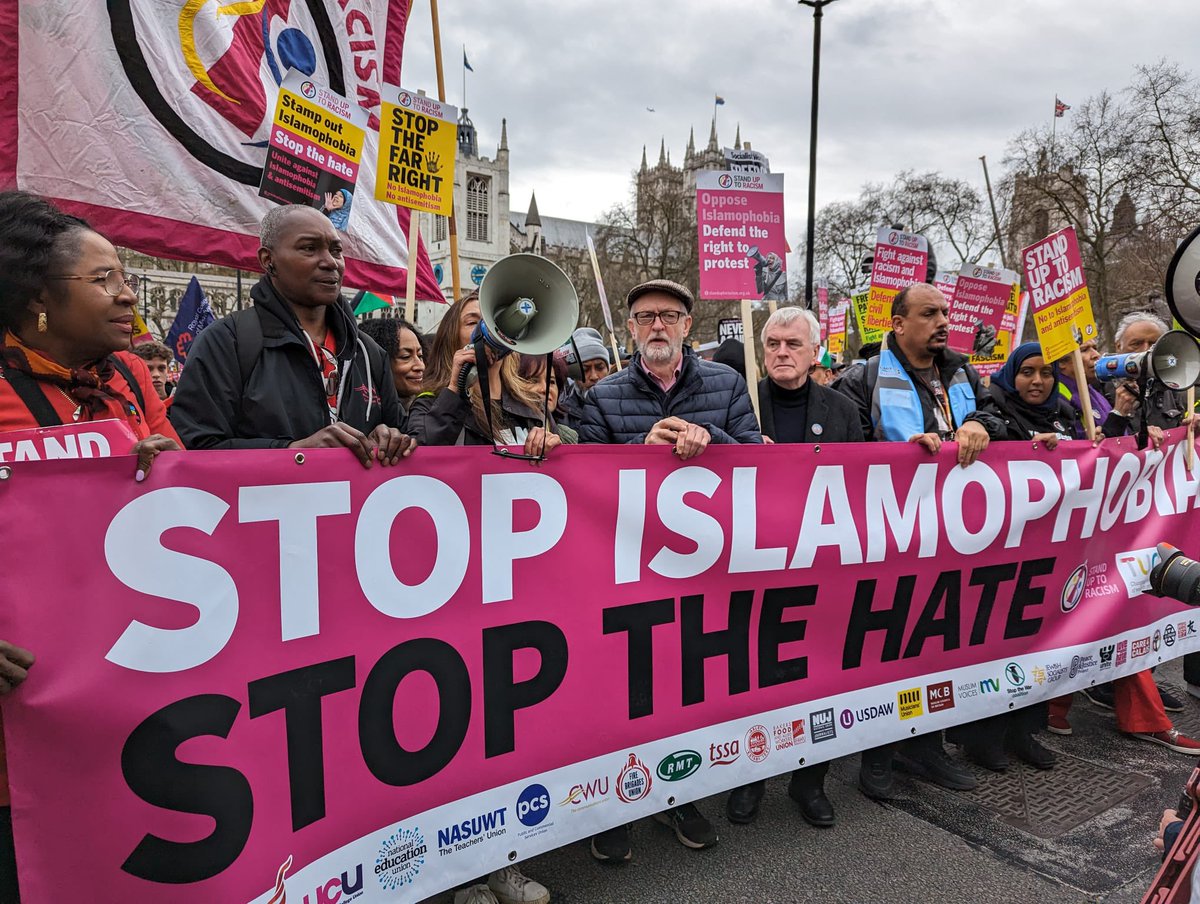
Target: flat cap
<point>661,285</point>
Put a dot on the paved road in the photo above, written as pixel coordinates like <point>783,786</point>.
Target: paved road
<point>1015,840</point>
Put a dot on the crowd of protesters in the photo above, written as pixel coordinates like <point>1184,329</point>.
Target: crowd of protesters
<point>296,370</point>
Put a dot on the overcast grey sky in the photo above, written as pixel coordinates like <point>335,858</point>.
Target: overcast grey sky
<point>920,84</point>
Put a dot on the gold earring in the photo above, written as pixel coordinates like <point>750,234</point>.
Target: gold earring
<point>41,325</point>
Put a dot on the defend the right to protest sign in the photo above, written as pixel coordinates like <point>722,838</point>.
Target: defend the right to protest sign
<point>743,251</point>
<point>418,139</point>
<point>1058,295</point>
<point>900,261</point>
<point>981,296</point>
<point>315,148</point>
<point>858,300</point>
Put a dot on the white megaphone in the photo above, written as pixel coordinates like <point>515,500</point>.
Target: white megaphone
<point>1183,284</point>
<point>1174,361</point>
<point>527,305</point>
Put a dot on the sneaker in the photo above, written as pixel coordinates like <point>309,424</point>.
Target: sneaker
<point>1170,702</point>
<point>1194,690</point>
<point>1171,739</point>
<point>1057,724</point>
<point>511,886</point>
<point>934,765</point>
<point>1101,695</point>
<point>612,846</point>
<point>691,827</point>
<point>475,894</point>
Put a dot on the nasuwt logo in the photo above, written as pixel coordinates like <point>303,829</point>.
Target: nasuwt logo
<point>470,831</point>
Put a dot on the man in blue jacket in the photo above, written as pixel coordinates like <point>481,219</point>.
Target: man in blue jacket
<point>666,396</point>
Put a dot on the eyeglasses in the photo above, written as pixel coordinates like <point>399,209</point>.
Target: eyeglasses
<point>669,318</point>
<point>114,281</point>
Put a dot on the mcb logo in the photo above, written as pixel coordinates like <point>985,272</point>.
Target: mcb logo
<point>940,696</point>
<point>909,702</point>
<point>533,805</point>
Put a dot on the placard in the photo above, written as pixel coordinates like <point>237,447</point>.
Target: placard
<point>1062,308</point>
<point>742,250</point>
<point>418,141</point>
<point>901,259</point>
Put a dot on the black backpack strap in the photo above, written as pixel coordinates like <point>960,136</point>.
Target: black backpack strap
<point>27,388</point>
<point>248,340</point>
<point>123,369</point>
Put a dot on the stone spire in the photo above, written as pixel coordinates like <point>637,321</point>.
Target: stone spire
<point>712,137</point>
<point>737,141</point>
<point>691,148</point>
<point>662,152</point>
<point>532,218</point>
<point>643,158</point>
<point>504,134</point>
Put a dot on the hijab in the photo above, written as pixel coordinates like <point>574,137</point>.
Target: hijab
<point>1006,378</point>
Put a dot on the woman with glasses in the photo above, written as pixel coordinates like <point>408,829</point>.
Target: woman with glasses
<point>293,371</point>
<point>66,316</point>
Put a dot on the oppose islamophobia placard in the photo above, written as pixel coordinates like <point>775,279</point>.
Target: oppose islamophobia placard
<point>977,312</point>
<point>285,675</point>
<point>743,252</point>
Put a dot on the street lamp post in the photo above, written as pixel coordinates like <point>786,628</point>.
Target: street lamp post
<point>817,7</point>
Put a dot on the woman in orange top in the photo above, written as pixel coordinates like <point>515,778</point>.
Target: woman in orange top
<point>66,312</point>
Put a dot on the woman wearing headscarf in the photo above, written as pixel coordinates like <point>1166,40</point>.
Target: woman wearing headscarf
<point>66,319</point>
<point>1024,394</point>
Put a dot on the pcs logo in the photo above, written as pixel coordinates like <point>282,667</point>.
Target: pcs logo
<point>533,805</point>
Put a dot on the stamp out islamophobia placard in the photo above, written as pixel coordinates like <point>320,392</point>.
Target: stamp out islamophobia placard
<point>743,252</point>
<point>315,149</point>
<point>1058,295</point>
<point>981,297</point>
<point>900,260</point>
<point>308,678</point>
<point>418,139</point>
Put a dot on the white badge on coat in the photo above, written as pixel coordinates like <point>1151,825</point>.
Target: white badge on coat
<point>817,429</point>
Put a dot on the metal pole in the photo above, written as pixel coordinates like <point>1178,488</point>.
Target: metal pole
<point>817,6</point>
<point>239,290</point>
<point>145,299</point>
<point>995,218</point>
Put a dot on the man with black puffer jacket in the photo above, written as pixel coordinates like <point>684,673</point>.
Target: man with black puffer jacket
<point>666,396</point>
<point>293,371</point>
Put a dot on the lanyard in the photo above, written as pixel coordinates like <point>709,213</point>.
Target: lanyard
<point>320,355</point>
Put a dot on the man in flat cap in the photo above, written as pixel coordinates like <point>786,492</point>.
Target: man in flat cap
<point>666,396</point>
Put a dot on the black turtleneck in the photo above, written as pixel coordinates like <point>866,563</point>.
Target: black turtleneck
<point>790,407</point>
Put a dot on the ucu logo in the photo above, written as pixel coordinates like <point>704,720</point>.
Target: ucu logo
<point>333,890</point>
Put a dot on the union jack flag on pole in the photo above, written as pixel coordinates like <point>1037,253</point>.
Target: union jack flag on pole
<point>1060,108</point>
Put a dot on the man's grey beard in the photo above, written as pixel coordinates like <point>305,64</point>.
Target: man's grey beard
<point>657,354</point>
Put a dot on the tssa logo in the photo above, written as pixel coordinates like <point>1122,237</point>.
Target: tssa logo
<point>533,805</point>
<point>724,754</point>
<point>339,889</point>
<point>590,792</point>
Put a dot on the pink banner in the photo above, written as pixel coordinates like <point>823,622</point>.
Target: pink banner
<point>743,251</point>
<point>391,681</point>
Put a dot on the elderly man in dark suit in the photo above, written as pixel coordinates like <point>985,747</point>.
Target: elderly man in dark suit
<point>796,409</point>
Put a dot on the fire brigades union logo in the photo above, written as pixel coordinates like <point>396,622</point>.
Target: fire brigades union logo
<point>633,781</point>
<point>215,72</point>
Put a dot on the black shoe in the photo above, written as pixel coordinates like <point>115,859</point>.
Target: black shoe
<point>932,764</point>
<point>1170,702</point>
<point>1029,749</point>
<point>814,805</point>
<point>691,827</point>
<point>875,776</point>
<point>1101,695</point>
<point>612,846</point>
<point>742,806</point>
<point>987,756</point>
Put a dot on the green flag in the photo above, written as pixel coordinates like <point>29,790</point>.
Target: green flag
<point>366,302</point>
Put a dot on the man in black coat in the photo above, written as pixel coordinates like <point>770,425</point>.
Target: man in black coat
<point>796,409</point>
<point>666,396</point>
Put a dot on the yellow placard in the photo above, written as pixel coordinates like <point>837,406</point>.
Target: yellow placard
<point>858,300</point>
<point>141,332</point>
<point>1060,327</point>
<point>879,308</point>
<point>317,126</point>
<point>417,144</point>
<point>837,342</point>
<point>989,364</point>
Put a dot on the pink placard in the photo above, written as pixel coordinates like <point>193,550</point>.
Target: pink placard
<point>981,295</point>
<point>90,439</point>
<point>742,251</point>
<point>823,311</point>
<point>383,682</point>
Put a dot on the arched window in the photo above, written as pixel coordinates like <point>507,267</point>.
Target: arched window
<point>441,229</point>
<point>478,199</point>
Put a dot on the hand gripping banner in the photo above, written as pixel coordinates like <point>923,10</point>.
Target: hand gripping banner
<point>151,119</point>
<point>262,673</point>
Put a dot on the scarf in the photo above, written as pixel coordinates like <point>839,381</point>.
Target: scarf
<point>1034,418</point>
<point>87,385</point>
